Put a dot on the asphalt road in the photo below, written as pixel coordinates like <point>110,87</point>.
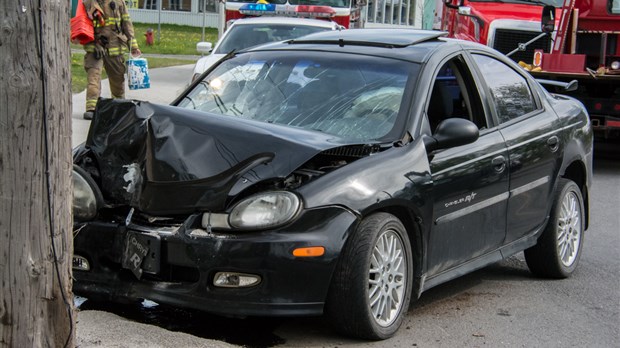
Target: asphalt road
<point>499,306</point>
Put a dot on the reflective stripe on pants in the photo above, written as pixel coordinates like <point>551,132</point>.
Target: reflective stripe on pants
<point>115,69</point>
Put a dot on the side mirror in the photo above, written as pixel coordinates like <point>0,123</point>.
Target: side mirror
<point>547,23</point>
<point>204,47</point>
<point>452,132</point>
<point>361,2</point>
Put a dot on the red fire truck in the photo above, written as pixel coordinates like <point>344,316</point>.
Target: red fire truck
<point>560,40</point>
<point>344,12</point>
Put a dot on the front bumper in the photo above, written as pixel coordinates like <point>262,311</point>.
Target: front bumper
<point>186,265</point>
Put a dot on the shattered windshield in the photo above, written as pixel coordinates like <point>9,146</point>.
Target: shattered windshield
<point>350,96</point>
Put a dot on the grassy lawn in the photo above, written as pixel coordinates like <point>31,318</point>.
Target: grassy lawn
<point>175,39</point>
<point>78,75</point>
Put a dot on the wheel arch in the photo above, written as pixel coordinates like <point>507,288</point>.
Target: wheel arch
<point>413,222</point>
<point>347,305</point>
<point>576,171</point>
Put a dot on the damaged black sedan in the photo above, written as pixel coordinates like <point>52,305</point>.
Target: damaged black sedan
<point>341,173</point>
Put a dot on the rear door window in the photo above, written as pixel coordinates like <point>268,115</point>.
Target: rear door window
<point>509,91</point>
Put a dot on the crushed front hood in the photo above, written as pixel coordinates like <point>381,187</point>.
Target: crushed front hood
<point>168,160</point>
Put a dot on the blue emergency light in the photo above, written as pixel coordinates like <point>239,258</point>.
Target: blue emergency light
<point>257,9</point>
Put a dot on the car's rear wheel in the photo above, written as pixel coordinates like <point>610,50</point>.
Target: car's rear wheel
<point>558,250</point>
<point>371,288</point>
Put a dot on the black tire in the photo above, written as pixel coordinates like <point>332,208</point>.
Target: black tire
<point>348,304</point>
<point>558,250</point>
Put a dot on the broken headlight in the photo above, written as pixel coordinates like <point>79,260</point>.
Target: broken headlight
<point>265,210</point>
<point>86,196</point>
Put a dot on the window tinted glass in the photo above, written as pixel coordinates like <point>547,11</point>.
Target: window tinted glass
<point>353,97</point>
<point>509,91</point>
<point>454,94</point>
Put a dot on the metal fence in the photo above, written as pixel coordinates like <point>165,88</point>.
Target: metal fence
<point>395,12</point>
<point>193,19</point>
<point>377,13</point>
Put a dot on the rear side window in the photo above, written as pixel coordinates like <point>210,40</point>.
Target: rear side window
<point>510,92</point>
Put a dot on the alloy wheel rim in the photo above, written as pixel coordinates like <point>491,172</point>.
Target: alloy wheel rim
<point>387,278</point>
<point>569,229</point>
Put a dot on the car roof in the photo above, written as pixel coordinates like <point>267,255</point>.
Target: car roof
<point>285,20</point>
<point>407,44</point>
<point>373,37</point>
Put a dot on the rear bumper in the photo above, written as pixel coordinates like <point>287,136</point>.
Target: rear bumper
<point>289,286</point>
<point>605,127</point>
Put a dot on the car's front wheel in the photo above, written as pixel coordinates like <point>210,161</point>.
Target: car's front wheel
<point>371,288</point>
<point>558,250</point>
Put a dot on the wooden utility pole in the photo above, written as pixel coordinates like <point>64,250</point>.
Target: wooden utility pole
<point>36,304</point>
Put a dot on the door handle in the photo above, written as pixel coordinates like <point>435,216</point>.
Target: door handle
<point>553,143</point>
<point>499,163</point>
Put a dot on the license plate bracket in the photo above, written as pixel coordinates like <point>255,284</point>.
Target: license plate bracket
<point>142,253</point>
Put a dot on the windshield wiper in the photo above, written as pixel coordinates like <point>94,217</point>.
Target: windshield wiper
<point>218,100</point>
<point>191,100</point>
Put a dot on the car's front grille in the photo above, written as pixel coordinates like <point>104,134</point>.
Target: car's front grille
<point>506,40</point>
<point>131,216</point>
<point>157,221</point>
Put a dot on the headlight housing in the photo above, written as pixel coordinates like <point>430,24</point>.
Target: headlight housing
<point>86,196</point>
<point>265,210</point>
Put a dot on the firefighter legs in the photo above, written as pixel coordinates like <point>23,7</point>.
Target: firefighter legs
<point>115,68</point>
<point>92,66</point>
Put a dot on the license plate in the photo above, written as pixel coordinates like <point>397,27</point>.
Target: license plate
<point>142,253</point>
